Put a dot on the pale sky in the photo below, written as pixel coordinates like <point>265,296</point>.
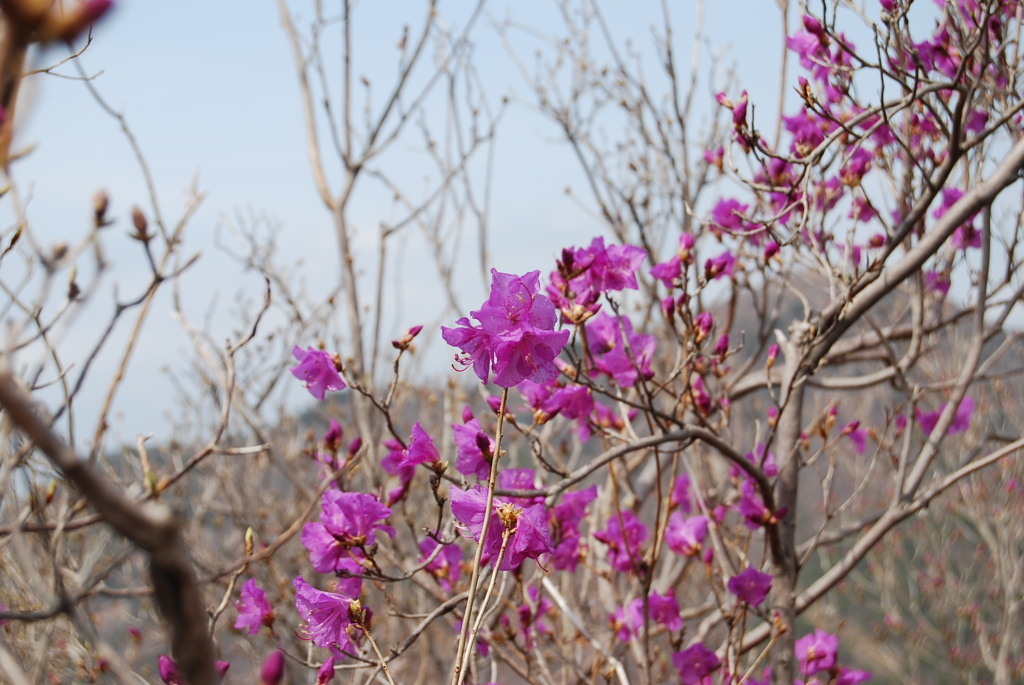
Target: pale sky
<point>210,91</point>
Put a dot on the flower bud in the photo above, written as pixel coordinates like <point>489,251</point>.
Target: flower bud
<point>100,204</point>
<point>168,670</point>
<point>272,672</point>
<point>141,225</point>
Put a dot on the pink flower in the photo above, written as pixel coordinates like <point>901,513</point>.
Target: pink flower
<point>445,566</point>
<point>326,615</point>
<point>516,335</point>
<point>695,663</point>
<point>476,449</point>
<point>817,652</point>
<point>318,370</point>
<point>625,541</point>
<point>325,673</point>
<point>751,585</point>
<point>722,265</point>
<point>529,538</point>
<point>348,520</point>
<point>685,536</point>
<point>565,519</point>
<point>961,420</point>
<point>421,450</point>
<point>253,608</point>
<point>170,674</point>
<point>857,435</point>
<point>608,339</point>
<point>272,672</point>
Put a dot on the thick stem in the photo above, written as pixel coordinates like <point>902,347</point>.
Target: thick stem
<point>783,543</point>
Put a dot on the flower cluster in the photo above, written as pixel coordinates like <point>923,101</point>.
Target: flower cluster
<point>515,336</point>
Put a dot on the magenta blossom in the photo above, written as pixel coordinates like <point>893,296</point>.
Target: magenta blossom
<point>326,615</point>
<point>695,663</point>
<point>325,673</point>
<point>475,448</point>
<point>529,537</point>
<point>663,609</point>
<point>421,450</point>
<point>625,541</point>
<point>961,420</point>
<point>817,652</point>
<point>272,671</point>
<point>318,370</point>
<point>348,520</point>
<point>253,608</point>
<point>445,566</point>
<point>685,536</point>
<point>592,271</point>
<point>516,335</point>
<point>751,585</point>
<point>170,674</point>
<point>681,494</point>
<point>609,337</point>
<point>565,519</point>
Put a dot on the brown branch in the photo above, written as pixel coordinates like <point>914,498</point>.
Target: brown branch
<point>153,527</point>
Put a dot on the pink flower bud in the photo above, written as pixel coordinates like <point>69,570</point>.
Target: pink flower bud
<point>169,670</point>
<point>272,672</point>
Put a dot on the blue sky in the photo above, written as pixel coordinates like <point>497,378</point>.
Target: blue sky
<point>210,91</point>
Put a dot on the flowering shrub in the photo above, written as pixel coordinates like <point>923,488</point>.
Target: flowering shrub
<point>671,450</point>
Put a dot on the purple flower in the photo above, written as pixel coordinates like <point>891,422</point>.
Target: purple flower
<point>764,461</point>
<point>572,402</point>
<point>751,585</point>
<point>325,674</point>
<point>253,608</point>
<point>532,613</point>
<point>965,234</point>
<point>704,322</point>
<point>857,435</point>
<point>592,271</point>
<point>168,670</point>
<point>624,541</point>
<point>668,272</point>
<point>529,538</point>
<point>445,566</point>
<point>961,420</point>
<point>170,674</point>
<point>681,494</point>
<point>332,438</point>
<point>272,671</point>
<point>685,536</point>
<point>475,448</point>
<point>326,615</point>
<point>318,370</point>
<point>722,265</point>
<point>664,609</point>
<point>421,450</point>
<point>566,518</point>
<point>516,336</point>
<point>935,282</point>
<point>614,267</point>
<point>752,508</point>
<point>608,338</point>
<point>695,663</point>
<point>850,677</point>
<point>348,520</point>
<point>817,652</point>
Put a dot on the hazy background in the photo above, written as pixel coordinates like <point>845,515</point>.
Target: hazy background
<point>210,91</point>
